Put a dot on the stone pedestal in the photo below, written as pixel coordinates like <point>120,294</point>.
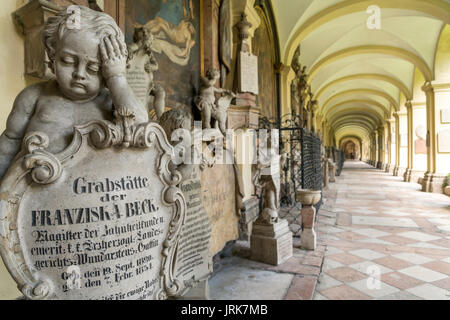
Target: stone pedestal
<point>407,175</point>
<point>395,171</point>
<point>401,171</point>
<point>433,182</point>
<point>240,117</point>
<point>447,190</point>
<point>308,237</point>
<point>332,170</point>
<point>271,244</point>
<point>416,175</point>
<point>325,173</point>
<point>426,182</point>
<point>388,166</point>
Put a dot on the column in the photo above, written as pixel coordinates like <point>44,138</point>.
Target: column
<point>403,162</point>
<point>379,139</point>
<point>409,117</point>
<point>419,150</point>
<point>397,143</point>
<point>388,146</point>
<point>441,108</point>
<point>431,137</point>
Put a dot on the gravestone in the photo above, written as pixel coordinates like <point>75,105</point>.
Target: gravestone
<point>444,141</point>
<point>445,116</point>
<point>248,73</point>
<point>194,261</point>
<point>85,224</point>
<point>220,197</point>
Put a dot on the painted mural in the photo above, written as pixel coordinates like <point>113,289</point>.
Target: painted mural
<point>175,26</point>
<point>263,47</point>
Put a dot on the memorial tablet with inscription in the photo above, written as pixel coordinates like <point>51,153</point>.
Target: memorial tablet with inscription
<point>100,220</point>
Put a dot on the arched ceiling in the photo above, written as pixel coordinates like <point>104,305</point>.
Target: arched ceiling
<point>357,74</point>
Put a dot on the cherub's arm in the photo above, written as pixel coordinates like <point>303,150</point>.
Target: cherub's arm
<point>114,57</point>
<point>11,139</point>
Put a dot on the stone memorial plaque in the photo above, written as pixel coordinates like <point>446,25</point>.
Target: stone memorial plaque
<point>420,146</point>
<point>140,81</point>
<point>100,220</point>
<point>445,116</point>
<point>219,192</point>
<point>248,73</point>
<point>444,141</point>
<point>194,261</point>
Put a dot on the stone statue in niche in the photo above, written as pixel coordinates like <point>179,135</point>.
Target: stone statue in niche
<point>420,145</point>
<point>209,106</point>
<point>266,175</point>
<point>89,61</point>
<point>141,65</point>
<point>271,239</point>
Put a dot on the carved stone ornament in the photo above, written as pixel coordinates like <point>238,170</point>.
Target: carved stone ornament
<point>100,220</point>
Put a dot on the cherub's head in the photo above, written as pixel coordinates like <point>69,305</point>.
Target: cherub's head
<point>72,41</point>
<point>212,74</point>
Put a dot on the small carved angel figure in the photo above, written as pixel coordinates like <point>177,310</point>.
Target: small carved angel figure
<point>209,106</point>
<point>140,51</point>
<point>269,182</point>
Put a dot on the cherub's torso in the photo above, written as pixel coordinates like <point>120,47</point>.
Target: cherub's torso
<point>56,115</point>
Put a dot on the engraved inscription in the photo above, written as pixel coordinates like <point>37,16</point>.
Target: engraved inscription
<point>248,73</point>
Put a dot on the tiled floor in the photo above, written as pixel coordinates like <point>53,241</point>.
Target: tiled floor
<point>385,239</point>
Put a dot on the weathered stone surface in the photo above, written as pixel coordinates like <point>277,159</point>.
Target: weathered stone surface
<point>239,280</point>
<point>309,239</point>
<point>308,215</point>
<point>271,244</point>
<point>245,117</point>
<point>194,260</point>
<point>219,198</point>
<point>249,213</point>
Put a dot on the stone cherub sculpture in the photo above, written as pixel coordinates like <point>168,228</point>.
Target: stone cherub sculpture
<point>209,106</point>
<point>266,175</point>
<point>142,59</point>
<point>89,61</point>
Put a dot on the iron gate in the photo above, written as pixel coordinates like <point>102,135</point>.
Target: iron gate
<point>303,168</point>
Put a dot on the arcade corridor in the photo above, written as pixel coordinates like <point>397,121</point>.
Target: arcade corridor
<point>378,238</point>
<point>374,222</point>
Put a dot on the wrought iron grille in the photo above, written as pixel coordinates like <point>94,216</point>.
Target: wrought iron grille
<point>312,177</point>
<point>340,162</point>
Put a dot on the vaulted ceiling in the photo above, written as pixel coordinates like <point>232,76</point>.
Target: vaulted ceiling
<point>358,74</point>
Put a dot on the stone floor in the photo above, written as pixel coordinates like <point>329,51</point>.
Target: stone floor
<point>385,239</point>
<point>379,238</point>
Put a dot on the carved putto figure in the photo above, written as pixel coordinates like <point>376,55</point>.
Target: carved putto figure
<point>266,175</point>
<point>209,106</point>
<point>84,57</point>
<point>141,56</point>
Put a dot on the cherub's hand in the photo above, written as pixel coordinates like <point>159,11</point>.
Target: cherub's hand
<point>114,57</point>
